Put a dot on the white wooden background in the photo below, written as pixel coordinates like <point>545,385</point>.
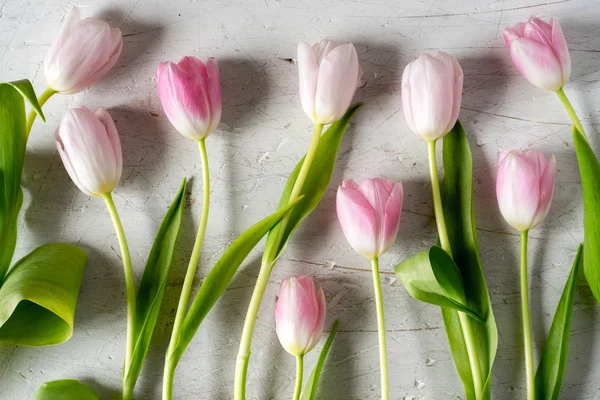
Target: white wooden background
<point>262,135</point>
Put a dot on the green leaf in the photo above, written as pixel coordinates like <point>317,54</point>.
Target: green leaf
<point>39,295</point>
<point>25,88</point>
<point>152,286</point>
<point>310,388</point>
<point>457,200</point>
<point>432,276</point>
<point>589,169</point>
<point>553,363</point>
<point>221,274</point>
<point>65,389</point>
<point>316,182</point>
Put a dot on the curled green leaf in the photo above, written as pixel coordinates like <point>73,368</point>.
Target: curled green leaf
<point>65,389</point>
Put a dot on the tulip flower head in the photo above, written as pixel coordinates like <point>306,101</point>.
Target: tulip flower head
<point>431,94</point>
<point>524,187</point>
<point>329,76</point>
<point>539,51</point>
<point>190,94</point>
<point>83,53</point>
<point>369,214</point>
<point>299,315</point>
<point>89,146</point>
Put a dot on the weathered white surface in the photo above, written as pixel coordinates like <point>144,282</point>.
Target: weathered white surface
<point>262,135</point>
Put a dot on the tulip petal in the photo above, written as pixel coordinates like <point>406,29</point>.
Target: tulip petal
<point>349,184</point>
<point>358,221</point>
<point>538,30</point>
<point>391,220</point>
<point>213,86</point>
<point>308,70</point>
<point>337,83</point>
<point>320,322</point>
<point>68,166</point>
<point>113,136</point>
<point>538,63</point>
<point>511,34</point>
<point>546,184</point>
<point>559,44</point>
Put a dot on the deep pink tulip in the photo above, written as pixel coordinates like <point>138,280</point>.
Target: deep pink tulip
<point>370,214</point>
<point>89,146</point>
<point>524,187</point>
<point>329,76</point>
<point>299,315</point>
<point>539,51</point>
<point>431,94</point>
<point>83,53</point>
<point>190,94</point>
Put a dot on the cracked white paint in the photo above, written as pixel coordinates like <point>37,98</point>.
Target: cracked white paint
<point>262,135</point>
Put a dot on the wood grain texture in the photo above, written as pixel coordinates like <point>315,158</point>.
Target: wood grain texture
<point>262,135</point>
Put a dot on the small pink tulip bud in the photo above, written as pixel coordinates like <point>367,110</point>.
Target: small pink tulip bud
<point>89,146</point>
<point>329,77</point>
<point>190,94</point>
<point>431,94</point>
<point>299,315</point>
<point>524,187</point>
<point>83,53</point>
<point>539,51</point>
<point>370,214</point>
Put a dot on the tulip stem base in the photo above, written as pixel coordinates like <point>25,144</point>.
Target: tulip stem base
<point>527,341</point>
<point>268,262</point>
<point>299,372</point>
<point>383,363</point>
<point>129,278</point>
<point>563,98</point>
<point>464,319</point>
<point>46,94</point>
<point>184,298</point>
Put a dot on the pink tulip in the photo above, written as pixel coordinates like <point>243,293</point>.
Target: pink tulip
<point>539,51</point>
<point>329,77</point>
<point>431,94</point>
<point>299,315</point>
<point>89,146</point>
<point>370,214</point>
<point>524,187</point>
<point>83,53</point>
<point>190,94</point>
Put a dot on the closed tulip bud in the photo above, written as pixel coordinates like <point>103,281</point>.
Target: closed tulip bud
<point>329,76</point>
<point>190,94</point>
<point>539,51</point>
<point>370,214</point>
<point>431,94</point>
<point>524,187</point>
<point>83,53</point>
<point>299,315</point>
<point>89,146</point>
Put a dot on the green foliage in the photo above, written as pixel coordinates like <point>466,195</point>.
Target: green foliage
<point>65,389</point>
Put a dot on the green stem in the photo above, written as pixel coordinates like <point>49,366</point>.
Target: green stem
<point>299,371</point>
<point>129,278</point>
<point>383,364</point>
<point>46,94</point>
<point>526,319</point>
<point>465,322</point>
<point>170,361</point>
<point>241,367</point>
<point>563,98</point>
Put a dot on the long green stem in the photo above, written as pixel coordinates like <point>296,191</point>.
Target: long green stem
<point>526,320</point>
<point>129,278</point>
<point>241,366</point>
<point>383,363</point>
<point>563,98</point>
<point>465,322</point>
<point>171,362</point>
<point>299,372</point>
<point>46,94</point>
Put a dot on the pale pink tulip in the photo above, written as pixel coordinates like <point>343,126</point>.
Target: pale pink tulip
<point>329,76</point>
<point>299,315</point>
<point>370,214</point>
<point>539,51</point>
<point>89,146</point>
<point>83,53</point>
<point>190,93</point>
<point>524,187</point>
<point>431,94</point>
